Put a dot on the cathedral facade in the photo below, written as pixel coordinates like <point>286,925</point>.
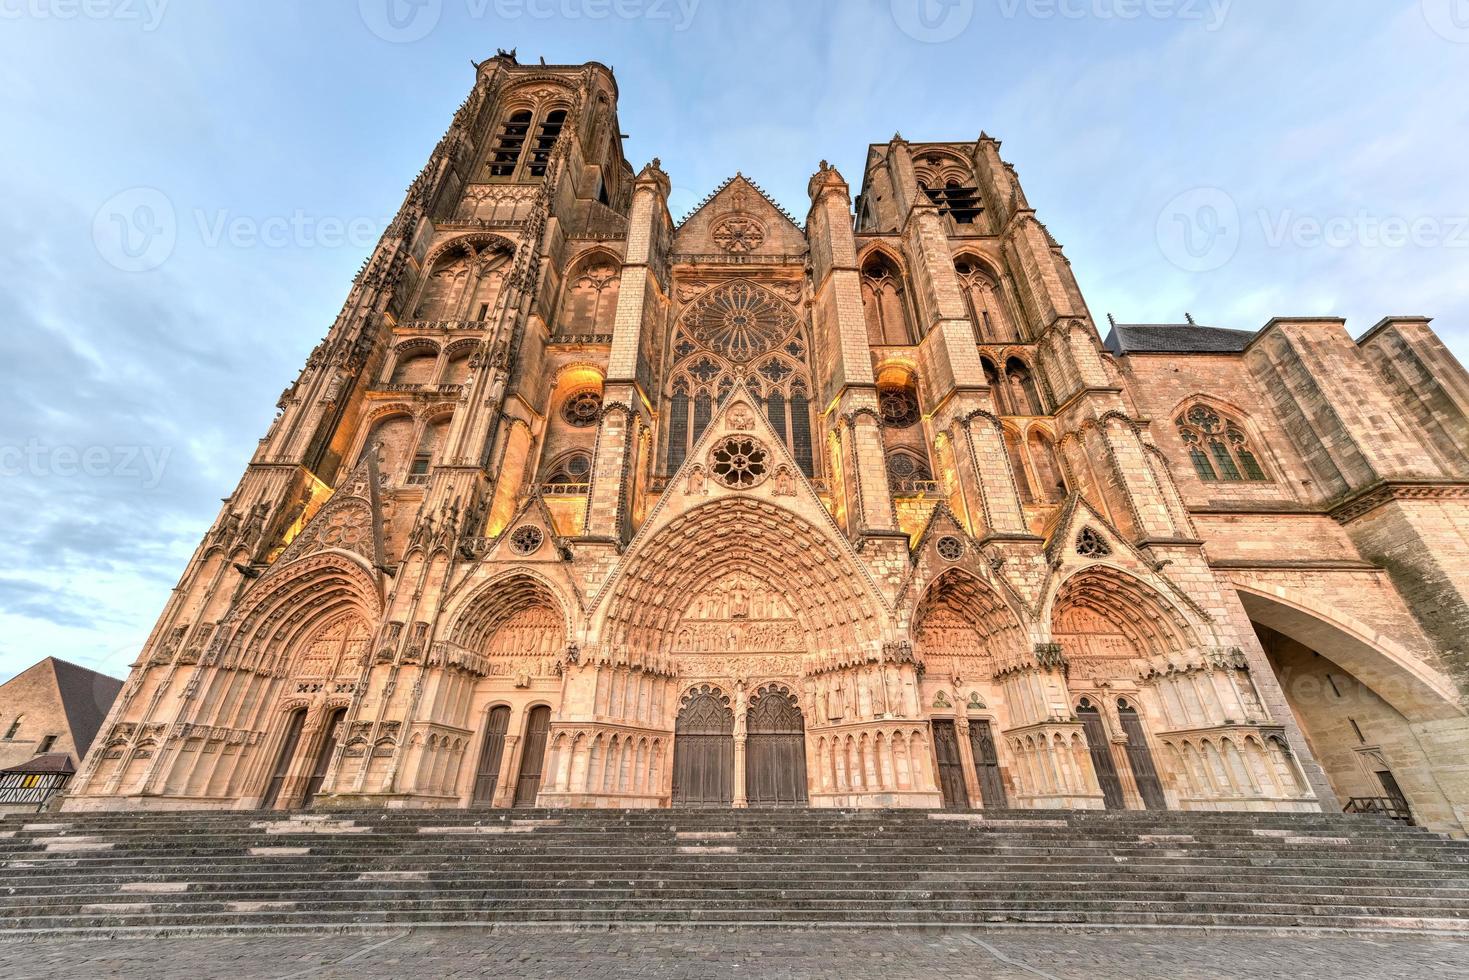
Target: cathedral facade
<point>579,505</point>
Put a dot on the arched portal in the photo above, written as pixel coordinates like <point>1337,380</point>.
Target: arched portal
<point>1381,721</point>
<point>703,749</point>
<point>775,749</point>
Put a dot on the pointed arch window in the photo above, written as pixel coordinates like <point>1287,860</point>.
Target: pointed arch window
<point>546,136</point>
<point>1025,396</point>
<point>987,311</point>
<point>885,303</point>
<point>515,134</point>
<point>678,425</point>
<point>590,302</point>
<point>740,323</point>
<point>908,473</point>
<point>1218,447</point>
<point>509,143</point>
<point>570,469</point>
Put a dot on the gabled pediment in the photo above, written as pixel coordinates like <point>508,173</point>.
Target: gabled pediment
<point>739,218</point>
<point>530,536</point>
<point>350,520</point>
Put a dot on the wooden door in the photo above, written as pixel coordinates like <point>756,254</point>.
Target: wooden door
<point>283,760</point>
<point>951,764</point>
<point>703,750</point>
<point>775,750</point>
<point>487,774</point>
<point>987,765</point>
<point>533,757</point>
<point>1101,751</point>
<point>323,756</point>
<point>1140,757</point>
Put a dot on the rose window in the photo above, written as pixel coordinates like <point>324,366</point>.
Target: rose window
<point>526,539</point>
<point>739,462</point>
<point>583,408</point>
<point>738,235</point>
<point>950,548</point>
<point>739,320</point>
<point>899,407</point>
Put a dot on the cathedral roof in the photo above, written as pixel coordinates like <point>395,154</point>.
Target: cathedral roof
<point>1175,338</point>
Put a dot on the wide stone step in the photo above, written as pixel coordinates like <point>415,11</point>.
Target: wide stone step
<point>229,871</point>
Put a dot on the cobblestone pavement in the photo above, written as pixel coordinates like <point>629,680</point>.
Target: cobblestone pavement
<point>746,955</point>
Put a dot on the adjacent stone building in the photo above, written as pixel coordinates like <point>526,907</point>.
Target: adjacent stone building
<point>53,708</point>
<point>581,505</point>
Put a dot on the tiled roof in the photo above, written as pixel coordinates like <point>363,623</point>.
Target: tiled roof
<point>50,762</point>
<point>1175,338</point>
<point>86,695</point>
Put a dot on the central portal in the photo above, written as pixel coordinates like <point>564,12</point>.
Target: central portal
<point>703,749</point>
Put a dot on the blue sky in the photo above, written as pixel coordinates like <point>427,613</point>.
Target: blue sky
<point>1238,159</point>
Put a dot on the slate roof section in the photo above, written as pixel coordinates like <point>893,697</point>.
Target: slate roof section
<point>1175,338</point>
<point>58,762</point>
<point>87,696</point>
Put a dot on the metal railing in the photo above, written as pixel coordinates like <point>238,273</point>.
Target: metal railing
<point>1391,807</point>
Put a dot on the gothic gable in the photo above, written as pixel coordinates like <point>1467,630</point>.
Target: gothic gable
<point>739,219</point>
<point>350,520</point>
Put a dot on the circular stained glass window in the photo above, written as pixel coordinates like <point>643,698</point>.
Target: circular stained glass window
<point>739,462</point>
<point>950,548</point>
<point>583,408</point>
<point>526,539</point>
<point>739,320</point>
<point>899,407</point>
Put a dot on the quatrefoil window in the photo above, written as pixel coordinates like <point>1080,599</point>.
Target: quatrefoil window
<point>739,462</point>
<point>526,539</point>
<point>949,548</point>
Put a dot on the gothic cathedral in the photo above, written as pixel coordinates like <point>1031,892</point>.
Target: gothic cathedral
<point>577,505</point>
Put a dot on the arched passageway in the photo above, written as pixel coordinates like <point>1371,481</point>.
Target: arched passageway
<point>1383,725</point>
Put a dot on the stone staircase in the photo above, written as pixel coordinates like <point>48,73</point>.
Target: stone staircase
<point>248,871</point>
